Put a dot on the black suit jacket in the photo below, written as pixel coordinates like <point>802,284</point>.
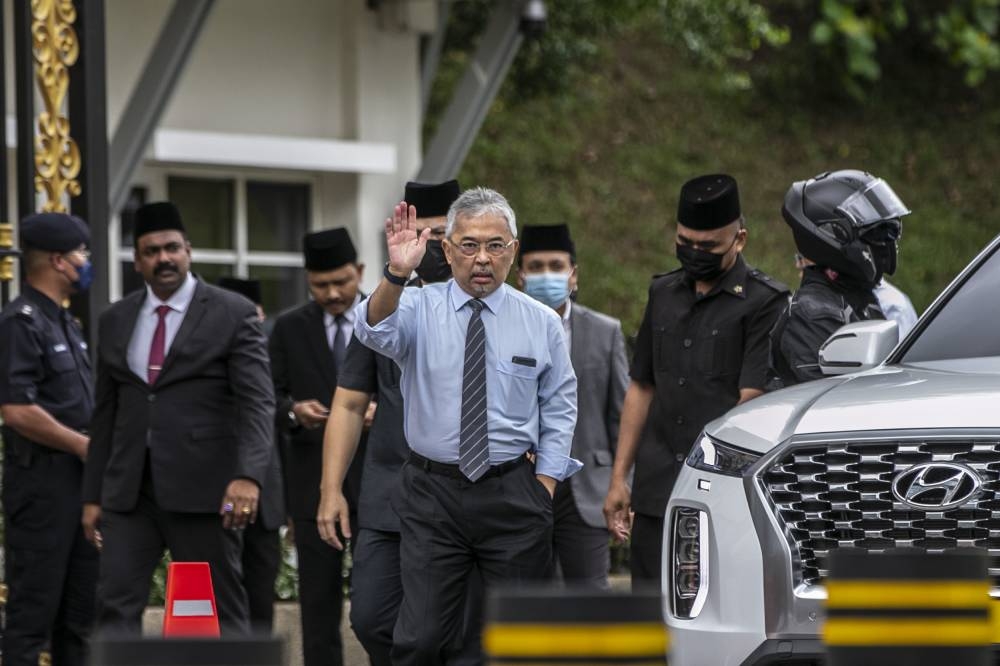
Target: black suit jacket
<point>207,420</point>
<point>303,368</point>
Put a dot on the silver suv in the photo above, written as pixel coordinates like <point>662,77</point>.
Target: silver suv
<point>902,452</point>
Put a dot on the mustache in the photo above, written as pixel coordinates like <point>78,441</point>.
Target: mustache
<point>165,266</point>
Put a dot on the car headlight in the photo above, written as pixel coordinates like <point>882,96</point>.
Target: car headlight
<point>711,455</point>
<point>689,561</point>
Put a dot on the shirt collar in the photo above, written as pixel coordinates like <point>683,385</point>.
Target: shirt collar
<point>348,314</point>
<point>733,282</point>
<point>569,308</point>
<point>459,297</point>
<point>51,309</point>
<point>179,301</point>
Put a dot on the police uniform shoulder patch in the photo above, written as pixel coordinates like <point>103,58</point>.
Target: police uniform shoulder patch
<point>769,281</point>
<point>26,311</point>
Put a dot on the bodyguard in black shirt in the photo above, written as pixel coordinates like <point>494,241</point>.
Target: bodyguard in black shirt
<point>46,400</point>
<point>702,348</point>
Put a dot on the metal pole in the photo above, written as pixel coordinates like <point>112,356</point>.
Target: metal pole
<point>88,118</point>
<point>24,78</point>
<point>475,93</point>
<point>432,55</point>
<point>152,92</point>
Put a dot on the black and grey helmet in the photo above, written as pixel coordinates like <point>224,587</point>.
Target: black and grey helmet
<point>846,220</point>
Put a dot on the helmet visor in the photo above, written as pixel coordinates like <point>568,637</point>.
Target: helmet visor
<point>874,203</point>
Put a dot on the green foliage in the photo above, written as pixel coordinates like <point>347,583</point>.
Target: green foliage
<point>859,44</point>
<point>720,33</point>
<point>609,160</point>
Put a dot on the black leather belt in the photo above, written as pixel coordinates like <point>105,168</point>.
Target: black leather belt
<point>453,471</point>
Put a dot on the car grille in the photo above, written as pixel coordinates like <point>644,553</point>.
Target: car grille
<point>839,495</point>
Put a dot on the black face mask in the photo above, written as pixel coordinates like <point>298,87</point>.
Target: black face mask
<point>434,267</point>
<point>701,265</point>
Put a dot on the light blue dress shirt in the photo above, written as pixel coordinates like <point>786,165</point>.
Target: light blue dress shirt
<point>531,407</point>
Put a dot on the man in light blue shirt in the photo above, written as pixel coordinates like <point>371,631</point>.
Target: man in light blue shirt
<point>486,378</point>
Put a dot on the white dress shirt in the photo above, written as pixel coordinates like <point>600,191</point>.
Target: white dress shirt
<point>346,324</point>
<point>145,325</point>
<point>896,305</point>
<point>566,324</point>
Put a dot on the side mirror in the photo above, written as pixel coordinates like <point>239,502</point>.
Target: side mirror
<point>858,346</point>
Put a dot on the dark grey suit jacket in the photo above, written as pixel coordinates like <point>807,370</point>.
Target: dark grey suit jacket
<point>208,419</point>
<point>598,355</point>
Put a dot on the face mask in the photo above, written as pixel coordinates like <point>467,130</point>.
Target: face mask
<point>552,289</point>
<point>700,265</point>
<point>86,276</point>
<point>434,267</point>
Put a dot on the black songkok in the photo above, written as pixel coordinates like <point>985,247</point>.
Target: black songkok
<point>431,200</point>
<point>157,216</point>
<point>248,288</point>
<point>328,250</point>
<point>709,202</point>
<point>544,238</point>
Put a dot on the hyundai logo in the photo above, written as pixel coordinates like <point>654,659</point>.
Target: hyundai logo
<point>936,486</point>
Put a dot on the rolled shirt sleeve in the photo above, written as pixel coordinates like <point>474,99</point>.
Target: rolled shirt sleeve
<point>393,335</point>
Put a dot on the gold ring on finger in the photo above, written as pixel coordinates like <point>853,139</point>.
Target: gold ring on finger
<point>246,510</point>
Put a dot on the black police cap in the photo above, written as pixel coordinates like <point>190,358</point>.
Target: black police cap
<point>248,288</point>
<point>709,202</point>
<point>53,232</point>
<point>328,249</point>
<point>432,199</point>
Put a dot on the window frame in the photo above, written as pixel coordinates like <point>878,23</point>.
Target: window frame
<point>155,179</point>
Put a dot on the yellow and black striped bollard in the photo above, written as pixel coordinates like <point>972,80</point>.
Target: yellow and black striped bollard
<point>908,607</point>
<point>574,627</point>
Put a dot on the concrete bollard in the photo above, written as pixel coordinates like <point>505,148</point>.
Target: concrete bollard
<point>565,626</point>
<point>908,607</point>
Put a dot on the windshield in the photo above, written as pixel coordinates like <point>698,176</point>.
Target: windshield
<point>965,327</point>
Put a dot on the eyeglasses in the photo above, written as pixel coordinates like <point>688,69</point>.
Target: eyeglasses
<point>81,252</point>
<point>494,248</point>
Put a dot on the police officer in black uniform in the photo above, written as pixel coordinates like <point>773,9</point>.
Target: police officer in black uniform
<point>46,400</point>
<point>701,349</point>
<point>847,223</point>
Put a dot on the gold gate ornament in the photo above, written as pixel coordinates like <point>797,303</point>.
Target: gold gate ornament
<point>56,49</point>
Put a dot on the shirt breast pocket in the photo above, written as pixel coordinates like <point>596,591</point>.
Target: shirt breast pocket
<point>722,354</point>
<point>60,362</point>
<point>518,389</point>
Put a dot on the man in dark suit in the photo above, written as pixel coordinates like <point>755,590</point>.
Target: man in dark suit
<point>308,346</point>
<point>549,274</point>
<point>182,430</point>
<point>261,539</point>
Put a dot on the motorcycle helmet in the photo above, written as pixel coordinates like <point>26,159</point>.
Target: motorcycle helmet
<point>847,220</point>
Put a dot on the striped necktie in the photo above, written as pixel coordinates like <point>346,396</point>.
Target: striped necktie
<point>473,442</point>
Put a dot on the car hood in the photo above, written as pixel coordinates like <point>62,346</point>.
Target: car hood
<point>932,395</point>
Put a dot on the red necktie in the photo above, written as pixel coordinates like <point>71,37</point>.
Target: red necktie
<point>159,342</point>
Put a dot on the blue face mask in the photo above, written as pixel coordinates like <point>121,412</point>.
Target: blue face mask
<point>552,289</point>
<point>86,276</point>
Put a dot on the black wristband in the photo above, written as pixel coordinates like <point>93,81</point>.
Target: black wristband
<point>394,279</point>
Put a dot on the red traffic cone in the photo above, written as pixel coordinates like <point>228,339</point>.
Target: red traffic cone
<point>190,609</point>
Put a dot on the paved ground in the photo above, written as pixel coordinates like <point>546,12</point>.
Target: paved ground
<point>286,625</point>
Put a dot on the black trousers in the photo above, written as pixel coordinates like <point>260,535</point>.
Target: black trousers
<point>647,551</point>
<point>321,596</point>
<point>132,547</point>
<point>501,524</point>
<point>261,560</point>
<point>581,550</point>
<point>377,592</point>
<point>51,568</point>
